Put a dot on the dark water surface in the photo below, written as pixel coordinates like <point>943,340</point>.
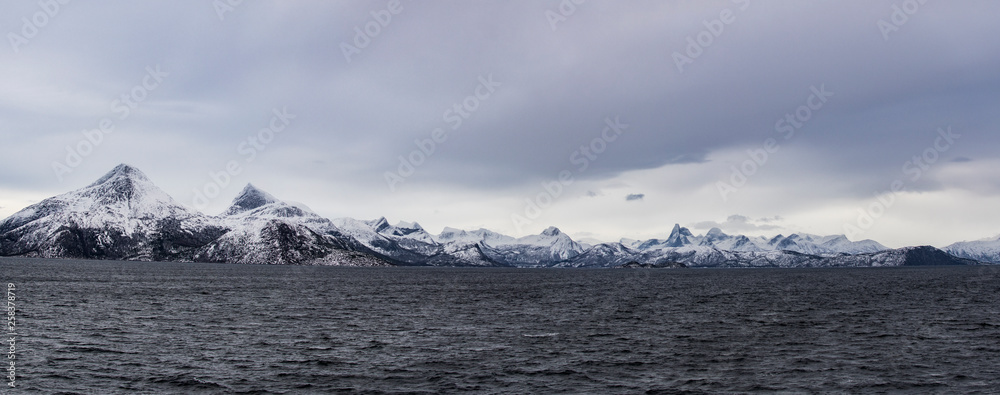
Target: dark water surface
<point>114,327</point>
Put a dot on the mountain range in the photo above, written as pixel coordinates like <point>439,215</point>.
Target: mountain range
<point>124,216</point>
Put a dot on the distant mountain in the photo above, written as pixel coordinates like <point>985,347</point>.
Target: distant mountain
<point>908,256</point>
<point>123,215</point>
<point>716,249</point>
<point>799,242</point>
<point>537,250</point>
<point>820,245</point>
<point>987,250</point>
<point>616,255</point>
<point>702,257</point>
<point>409,244</point>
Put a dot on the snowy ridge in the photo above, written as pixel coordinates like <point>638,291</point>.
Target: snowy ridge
<point>248,199</point>
<point>799,242</point>
<point>265,230</point>
<point>986,250</point>
<point>123,215</point>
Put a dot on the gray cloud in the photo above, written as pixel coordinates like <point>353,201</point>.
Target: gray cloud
<point>635,196</point>
<point>609,59</point>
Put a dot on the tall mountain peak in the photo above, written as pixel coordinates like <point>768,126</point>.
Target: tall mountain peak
<point>380,225</point>
<point>679,237</point>
<point>551,231</point>
<point>716,233</point>
<point>120,172</point>
<point>249,199</point>
<point>124,185</point>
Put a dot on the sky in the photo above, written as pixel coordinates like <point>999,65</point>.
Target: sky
<point>607,119</point>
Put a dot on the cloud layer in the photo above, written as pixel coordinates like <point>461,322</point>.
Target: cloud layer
<point>475,110</point>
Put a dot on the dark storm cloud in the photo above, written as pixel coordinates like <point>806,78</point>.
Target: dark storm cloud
<point>887,94</point>
<point>607,59</point>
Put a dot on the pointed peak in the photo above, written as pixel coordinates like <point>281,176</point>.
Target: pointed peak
<point>122,171</point>
<point>486,233</point>
<point>448,229</point>
<point>252,190</point>
<point>551,231</point>
<point>679,237</point>
<point>839,238</point>
<point>379,224</point>
<point>680,231</point>
<point>250,198</point>
<point>125,167</point>
<point>409,225</point>
<point>124,183</point>
<point>715,232</point>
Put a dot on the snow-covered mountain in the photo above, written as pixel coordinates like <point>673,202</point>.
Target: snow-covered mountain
<point>818,245</point>
<point>803,243</point>
<point>409,244</point>
<point>986,250</point>
<point>265,230</point>
<point>123,215</point>
<point>717,249</point>
<point>617,255</point>
<point>536,250</point>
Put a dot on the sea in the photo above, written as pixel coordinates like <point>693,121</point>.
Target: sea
<point>104,327</point>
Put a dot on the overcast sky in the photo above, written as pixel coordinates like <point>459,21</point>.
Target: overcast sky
<point>519,96</point>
